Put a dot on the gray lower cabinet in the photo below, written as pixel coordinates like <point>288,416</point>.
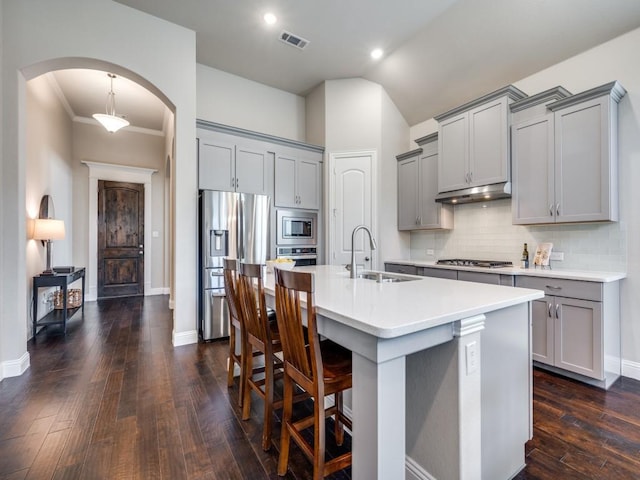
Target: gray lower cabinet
<point>576,328</point>
<point>439,273</point>
<point>401,268</point>
<point>481,277</point>
<point>565,159</point>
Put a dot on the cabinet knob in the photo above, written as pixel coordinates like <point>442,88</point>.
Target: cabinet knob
<point>366,259</point>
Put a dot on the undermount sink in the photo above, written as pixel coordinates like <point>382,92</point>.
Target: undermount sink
<point>381,277</point>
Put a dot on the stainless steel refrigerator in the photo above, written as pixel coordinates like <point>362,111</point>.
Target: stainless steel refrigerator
<point>234,225</point>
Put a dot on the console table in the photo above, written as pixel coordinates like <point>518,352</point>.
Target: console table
<point>62,280</point>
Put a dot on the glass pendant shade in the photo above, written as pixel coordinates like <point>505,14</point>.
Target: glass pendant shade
<point>109,120</point>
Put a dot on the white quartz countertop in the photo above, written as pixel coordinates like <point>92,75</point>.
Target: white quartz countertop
<point>389,310</point>
<point>587,276</point>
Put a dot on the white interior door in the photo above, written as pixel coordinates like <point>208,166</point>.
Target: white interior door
<point>352,185</point>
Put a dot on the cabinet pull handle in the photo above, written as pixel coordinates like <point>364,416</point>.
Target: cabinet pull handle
<point>551,209</point>
<point>470,177</point>
<point>558,210</point>
<point>557,311</point>
<point>553,287</point>
<point>233,182</point>
<point>549,309</point>
<point>237,183</point>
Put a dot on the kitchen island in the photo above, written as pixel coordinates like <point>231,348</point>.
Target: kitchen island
<point>441,373</point>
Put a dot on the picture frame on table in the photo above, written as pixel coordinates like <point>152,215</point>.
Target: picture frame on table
<point>542,256</point>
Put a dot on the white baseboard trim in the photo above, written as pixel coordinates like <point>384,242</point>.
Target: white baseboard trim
<point>15,368</point>
<point>156,291</point>
<point>414,471</point>
<point>184,338</point>
<point>631,369</point>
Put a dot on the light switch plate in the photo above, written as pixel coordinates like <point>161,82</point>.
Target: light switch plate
<point>471,354</point>
<point>557,256</point>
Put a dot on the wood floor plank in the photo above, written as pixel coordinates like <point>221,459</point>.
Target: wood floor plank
<point>48,456</point>
<point>113,399</point>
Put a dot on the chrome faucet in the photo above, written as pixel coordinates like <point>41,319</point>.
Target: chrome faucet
<point>372,242</point>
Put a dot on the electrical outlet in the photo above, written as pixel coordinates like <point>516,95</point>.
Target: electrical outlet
<point>471,354</point>
<point>557,256</point>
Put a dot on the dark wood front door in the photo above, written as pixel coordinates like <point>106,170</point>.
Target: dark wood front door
<point>120,239</point>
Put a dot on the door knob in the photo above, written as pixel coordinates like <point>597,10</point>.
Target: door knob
<point>366,259</point>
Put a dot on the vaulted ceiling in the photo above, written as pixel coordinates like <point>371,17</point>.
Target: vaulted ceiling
<point>438,53</point>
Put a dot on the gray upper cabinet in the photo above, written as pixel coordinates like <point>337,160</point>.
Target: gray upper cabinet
<point>417,188</point>
<point>565,159</point>
<point>229,167</point>
<point>473,144</point>
<point>298,181</point>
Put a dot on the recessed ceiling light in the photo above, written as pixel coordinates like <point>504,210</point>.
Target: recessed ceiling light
<point>377,53</point>
<point>270,18</point>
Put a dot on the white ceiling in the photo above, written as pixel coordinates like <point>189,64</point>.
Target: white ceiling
<point>439,53</point>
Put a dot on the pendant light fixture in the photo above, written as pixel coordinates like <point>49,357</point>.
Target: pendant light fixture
<point>109,120</point>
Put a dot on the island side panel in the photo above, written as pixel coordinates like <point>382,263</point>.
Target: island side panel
<point>441,401</point>
<point>378,418</point>
<point>443,410</point>
<point>506,391</point>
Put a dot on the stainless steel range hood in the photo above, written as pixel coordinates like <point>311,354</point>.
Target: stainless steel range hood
<point>476,194</point>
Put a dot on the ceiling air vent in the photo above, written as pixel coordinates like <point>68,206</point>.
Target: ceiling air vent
<point>293,40</point>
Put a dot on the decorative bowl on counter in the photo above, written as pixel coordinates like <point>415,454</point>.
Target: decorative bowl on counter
<point>283,263</point>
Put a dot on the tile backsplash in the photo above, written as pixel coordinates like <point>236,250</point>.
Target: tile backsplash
<point>484,231</point>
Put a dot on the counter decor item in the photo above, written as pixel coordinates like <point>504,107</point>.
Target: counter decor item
<point>525,257</point>
<point>543,255</point>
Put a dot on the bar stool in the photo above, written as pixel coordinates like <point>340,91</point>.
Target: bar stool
<point>230,270</point>
<point>320,368</point>
<point>261,338</point>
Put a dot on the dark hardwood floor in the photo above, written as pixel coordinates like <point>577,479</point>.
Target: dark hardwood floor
<point>114,400</point>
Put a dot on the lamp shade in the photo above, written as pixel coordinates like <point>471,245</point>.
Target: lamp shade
<point>48,229</point>
<point>111,122</point>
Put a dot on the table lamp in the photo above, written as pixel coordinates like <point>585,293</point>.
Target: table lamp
<point>48,229</point>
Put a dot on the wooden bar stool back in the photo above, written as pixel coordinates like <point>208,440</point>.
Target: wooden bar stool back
<point>261,337</point>
<point>320,368</point>
<point>230,271</point>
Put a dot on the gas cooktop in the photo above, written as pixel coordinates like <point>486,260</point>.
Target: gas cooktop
<point>474,263</point>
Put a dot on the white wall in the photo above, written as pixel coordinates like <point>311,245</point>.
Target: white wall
<point>129,148</point>
<point>48,172</point>
<point>592,247</point>
<point>315,111</point>
<point>2,318</point>
<point>45,35</point>
<point>394,135</point>
<point>359,115</point>
<point>231,100</point>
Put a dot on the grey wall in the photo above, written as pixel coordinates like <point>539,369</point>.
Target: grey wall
<point>128,148</point>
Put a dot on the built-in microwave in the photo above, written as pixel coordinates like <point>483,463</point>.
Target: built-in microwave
<point>296,227</point>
